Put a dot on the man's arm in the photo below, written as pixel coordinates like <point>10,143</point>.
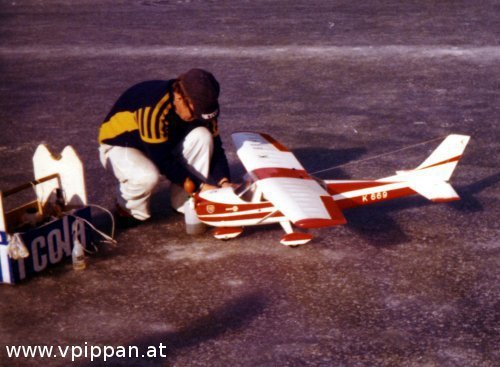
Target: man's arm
<point>219,167</point>
<point>171,166</point>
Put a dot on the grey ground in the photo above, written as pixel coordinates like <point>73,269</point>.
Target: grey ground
<point>405,283</point>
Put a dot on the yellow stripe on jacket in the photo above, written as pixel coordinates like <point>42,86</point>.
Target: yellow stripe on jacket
<point>118,124</point>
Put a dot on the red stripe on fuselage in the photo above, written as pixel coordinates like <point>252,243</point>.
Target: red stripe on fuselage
<point>237,216</point>
<point>341,187</point>
<point>206,207</point>
<point>347,203</point>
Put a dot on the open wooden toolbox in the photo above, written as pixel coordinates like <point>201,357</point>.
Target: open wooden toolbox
<point>42,232</point>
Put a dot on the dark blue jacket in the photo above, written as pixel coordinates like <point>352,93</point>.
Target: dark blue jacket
<point>144,118</point>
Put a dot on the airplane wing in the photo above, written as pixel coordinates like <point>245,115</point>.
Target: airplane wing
<point>285,183</point>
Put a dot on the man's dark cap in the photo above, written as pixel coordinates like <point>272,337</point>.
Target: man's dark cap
<point>203,90</point>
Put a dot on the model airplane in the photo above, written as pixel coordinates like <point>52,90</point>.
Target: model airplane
<point>279,190</point>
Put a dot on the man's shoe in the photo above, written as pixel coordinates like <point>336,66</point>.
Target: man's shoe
<point>124,219</point>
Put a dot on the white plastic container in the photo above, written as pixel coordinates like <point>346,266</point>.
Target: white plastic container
<point>78,253</point>
<point>193,225</point>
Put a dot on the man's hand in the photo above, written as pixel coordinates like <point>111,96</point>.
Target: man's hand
<point>229,184</point>
<point>205,187</point>
<point>226,183</point>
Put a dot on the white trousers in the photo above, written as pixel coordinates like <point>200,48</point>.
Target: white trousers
<point>138,175</point>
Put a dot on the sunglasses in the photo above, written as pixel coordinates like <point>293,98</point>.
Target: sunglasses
<point>185,99</point>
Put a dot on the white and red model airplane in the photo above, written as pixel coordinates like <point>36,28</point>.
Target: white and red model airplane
<point>279,190</point>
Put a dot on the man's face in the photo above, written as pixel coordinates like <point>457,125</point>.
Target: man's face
<point>183,107</point>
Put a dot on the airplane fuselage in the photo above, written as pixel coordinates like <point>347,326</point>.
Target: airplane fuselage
<point>224,208</point>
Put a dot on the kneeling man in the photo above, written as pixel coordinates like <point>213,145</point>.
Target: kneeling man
<point>164,128</point>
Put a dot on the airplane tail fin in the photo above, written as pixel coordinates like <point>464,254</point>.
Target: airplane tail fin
<point>443,161</point>
<point>430,178</point>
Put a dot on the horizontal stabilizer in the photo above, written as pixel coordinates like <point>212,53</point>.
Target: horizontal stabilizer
<point>437,191</point>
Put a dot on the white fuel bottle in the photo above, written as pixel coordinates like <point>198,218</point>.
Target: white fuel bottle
<point>193,224</point>
<point>78,253</point>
